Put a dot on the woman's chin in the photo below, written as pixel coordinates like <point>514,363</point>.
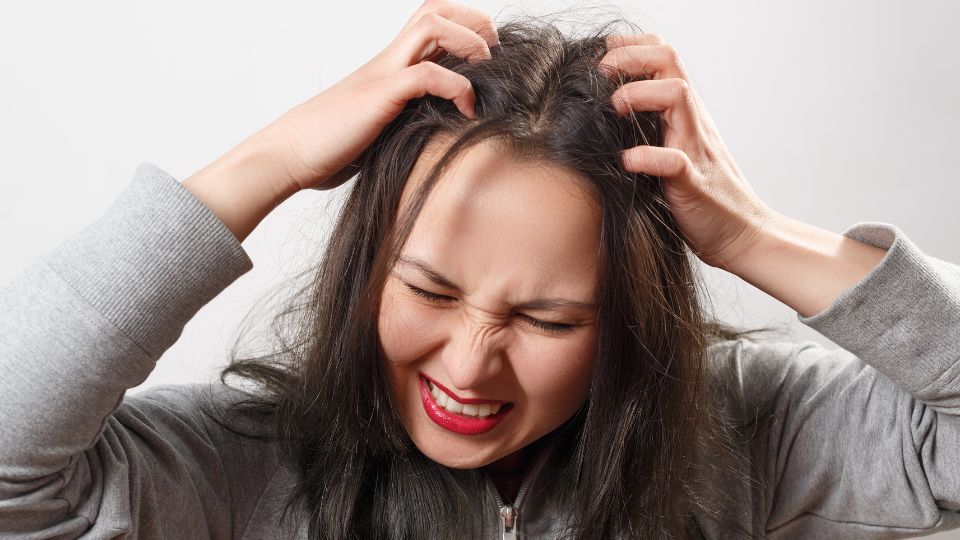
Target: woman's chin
<point>459,458</point>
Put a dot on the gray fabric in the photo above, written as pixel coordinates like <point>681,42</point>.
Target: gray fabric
<point>859,442</point>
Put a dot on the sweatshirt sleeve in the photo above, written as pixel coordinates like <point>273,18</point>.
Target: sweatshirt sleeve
<point>79,327</point>
<point>863,441</point>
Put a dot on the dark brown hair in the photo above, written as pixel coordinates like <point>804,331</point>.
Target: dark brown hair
<point>626,463</point>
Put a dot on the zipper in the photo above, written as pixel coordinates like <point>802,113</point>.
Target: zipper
<point>510,513</point>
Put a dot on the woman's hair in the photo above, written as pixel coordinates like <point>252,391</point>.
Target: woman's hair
<point>626,464</point>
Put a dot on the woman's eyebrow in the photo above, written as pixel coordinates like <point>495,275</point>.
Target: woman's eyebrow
<point>540,304</point>
<point>429,271</point>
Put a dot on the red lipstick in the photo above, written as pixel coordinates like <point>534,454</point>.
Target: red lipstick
<point>459,423</point>
<point>465,401</point>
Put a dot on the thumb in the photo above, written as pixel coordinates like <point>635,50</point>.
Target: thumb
<point>656,161</point>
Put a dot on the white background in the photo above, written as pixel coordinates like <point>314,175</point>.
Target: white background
<point>837,112</point>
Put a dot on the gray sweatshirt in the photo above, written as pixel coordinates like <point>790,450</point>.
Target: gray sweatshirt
<point>861,442</point>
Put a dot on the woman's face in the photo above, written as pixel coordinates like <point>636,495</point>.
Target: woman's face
<point>492,307</point>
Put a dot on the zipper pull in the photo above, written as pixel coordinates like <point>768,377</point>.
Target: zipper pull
<point>508,522</point>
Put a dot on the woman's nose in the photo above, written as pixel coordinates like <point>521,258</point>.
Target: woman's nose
<point>474,355</point>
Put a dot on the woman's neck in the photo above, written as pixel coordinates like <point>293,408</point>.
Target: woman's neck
<point>508,472</point>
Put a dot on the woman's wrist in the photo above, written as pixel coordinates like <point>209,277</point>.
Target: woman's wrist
<point>804,266</point>
<point>242,186</point>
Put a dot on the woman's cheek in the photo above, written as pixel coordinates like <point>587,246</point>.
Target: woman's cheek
<point>555,374</point>
<point>408,329</point>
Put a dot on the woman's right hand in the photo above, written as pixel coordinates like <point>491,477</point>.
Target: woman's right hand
<point>317,139</point>
<point>312,144</point>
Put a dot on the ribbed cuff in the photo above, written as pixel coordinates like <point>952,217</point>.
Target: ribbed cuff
<point>152,260</point>
<point>901,317</point>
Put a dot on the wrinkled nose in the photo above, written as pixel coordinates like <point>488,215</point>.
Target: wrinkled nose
<point>474,354</point>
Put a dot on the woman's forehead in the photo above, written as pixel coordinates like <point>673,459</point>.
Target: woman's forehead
<point>496,219</point>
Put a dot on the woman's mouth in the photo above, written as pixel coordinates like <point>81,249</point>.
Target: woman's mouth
<point>454,415</point>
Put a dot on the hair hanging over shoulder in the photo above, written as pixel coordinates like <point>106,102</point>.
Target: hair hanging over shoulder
<point>631,461</point>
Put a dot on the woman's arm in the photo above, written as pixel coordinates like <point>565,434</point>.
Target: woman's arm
<point>316,144</point>
<point>78,328</point>
<point>243,185</point>
<point>859,441</point>
<point>88,321</point>
<point>803,266</point>
<point>721,217</point>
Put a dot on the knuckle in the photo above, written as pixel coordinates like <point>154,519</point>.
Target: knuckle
<point>616,55</point>
<point>654,37</point>
<point>681,87</point>
<point>480,45</point>
<point>426,70</point>
<point>673,56</point>
<point>674,161</point>
<point>489,24</point>
<point>427,22</point>
<point>419,72</point>
<point>491,27</point>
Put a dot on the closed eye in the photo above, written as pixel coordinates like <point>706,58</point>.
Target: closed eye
<point>552,327</point>
<point>429,295</point>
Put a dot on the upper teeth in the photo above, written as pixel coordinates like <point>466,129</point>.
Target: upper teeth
<point>454,406</point>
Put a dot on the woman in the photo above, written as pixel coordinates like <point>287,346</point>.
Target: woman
<point>503,337</point>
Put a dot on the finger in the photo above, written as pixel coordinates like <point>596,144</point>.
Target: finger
<point>433,32</point>
<point>652,61</point>
<point>425,78</point>
<point>620,40</point>
<point>657,161</point>
<point>474,19</point>
<point>674,97</point>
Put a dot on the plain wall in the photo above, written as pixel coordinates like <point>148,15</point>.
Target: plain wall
<point>837,112</point>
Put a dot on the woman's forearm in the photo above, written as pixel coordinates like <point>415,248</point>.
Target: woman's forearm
<point>242,186</point>
<point>803,266</point>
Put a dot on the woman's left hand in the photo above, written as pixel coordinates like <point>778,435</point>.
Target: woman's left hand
<point>718,213</point>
